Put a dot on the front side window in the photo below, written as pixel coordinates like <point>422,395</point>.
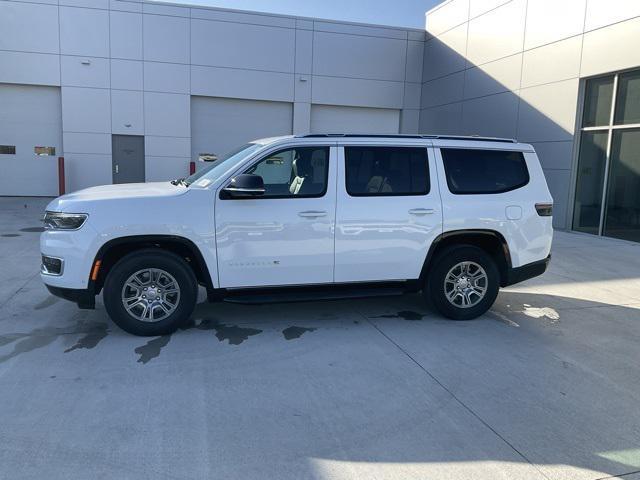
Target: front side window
<point>472,171</point>
<point>294,172</point>
<point>386,171</point>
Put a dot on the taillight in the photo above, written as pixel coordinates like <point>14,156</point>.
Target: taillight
<point>544,209</point>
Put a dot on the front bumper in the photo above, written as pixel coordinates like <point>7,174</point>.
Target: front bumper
<point>85,298</point>
<point>525,272</point>
<point>76,251</point>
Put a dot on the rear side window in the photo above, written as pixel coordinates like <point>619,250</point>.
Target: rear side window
<point>471,171</point>
<point>386,171</point>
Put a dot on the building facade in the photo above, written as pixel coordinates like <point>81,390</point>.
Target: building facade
<point>562,75</point>
<point>132,90</point>
<point>128,90</point>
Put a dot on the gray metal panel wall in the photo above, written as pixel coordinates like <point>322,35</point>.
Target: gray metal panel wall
<point>513,68</point>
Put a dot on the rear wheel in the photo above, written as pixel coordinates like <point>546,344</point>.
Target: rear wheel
<point>150,293</point>
<point>463,283</point>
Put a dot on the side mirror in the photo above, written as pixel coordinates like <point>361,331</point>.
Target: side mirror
<point>244,186</point>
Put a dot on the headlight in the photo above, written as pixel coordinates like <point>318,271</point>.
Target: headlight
<point>64,221</point>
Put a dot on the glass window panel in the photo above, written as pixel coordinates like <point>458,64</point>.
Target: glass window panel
<point>591,164</point>
<point>623,194</point>
<point>597,102</point>
<point>44,151</point>
<point>628,98</point>
<point>386,171</point>
<point>471,171</point>
<point>295,172</point>
<point>7,149</point>
<point>207,157</point>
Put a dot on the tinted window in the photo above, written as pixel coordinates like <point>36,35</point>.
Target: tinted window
<point>628,103</point>
<point>7,149</point>
<point>44,151</point>
<point>386,171</point>
<point>597,103</point>
<point>295,172</point>
<point>484,171</point>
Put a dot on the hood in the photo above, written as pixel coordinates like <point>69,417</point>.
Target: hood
<point>80,201</point>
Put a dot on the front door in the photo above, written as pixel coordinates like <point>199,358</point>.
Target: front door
<point>388,211</point>
<point>284,237</point>
<point>128,158</point>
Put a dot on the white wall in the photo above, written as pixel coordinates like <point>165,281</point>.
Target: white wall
<point>130,67</point>
<point>331,118</point>
<point>512,68</point>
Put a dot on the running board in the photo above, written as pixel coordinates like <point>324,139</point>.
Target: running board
<point>291,295</point>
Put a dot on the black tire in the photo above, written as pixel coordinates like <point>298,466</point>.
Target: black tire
<point>444,262</point>
<point>140,260</point>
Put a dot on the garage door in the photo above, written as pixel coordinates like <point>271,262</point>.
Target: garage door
<point>219,125</point>
<point>334,119</point>
<point>30,139</point>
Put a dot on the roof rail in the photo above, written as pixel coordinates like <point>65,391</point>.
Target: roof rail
<point>433,137</point>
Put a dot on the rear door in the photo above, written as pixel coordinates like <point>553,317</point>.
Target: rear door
<point>388,210</point>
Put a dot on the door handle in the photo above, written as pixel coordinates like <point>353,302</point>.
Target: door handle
<point>312,214</point>
<point>117,169</point>
<point>422,211</point>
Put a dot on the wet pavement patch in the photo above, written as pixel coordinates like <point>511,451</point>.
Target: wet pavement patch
<point>404,314</point>
<point>294,332</point>
<point>10,235</point>
<point>201,324</point>
<point>233,333</point>
<point>91,339</point>
<point>41,337</point>
<point>152,348</point>
<point>47,302</point>
<point>32,229</point>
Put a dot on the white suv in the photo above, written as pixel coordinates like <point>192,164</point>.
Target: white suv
<point>301,217</point>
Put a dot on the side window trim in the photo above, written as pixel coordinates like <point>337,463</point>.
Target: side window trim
<point>276,151</point>
<point>425,148</point>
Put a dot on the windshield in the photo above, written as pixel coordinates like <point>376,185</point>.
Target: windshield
<point>215,169</point>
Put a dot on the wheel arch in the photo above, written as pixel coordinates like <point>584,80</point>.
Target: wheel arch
<point>113,250</point>
<point>490,241</point>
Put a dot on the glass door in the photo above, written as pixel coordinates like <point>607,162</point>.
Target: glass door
<point>607,199</point>
<point>622,216</point>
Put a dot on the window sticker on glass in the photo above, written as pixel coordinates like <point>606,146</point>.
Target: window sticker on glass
<point>44,151</point>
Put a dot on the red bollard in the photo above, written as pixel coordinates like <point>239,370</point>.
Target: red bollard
<point>192,168</point>
<point>61,184</point>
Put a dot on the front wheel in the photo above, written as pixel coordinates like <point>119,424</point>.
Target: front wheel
<point>463,283</point>
<point>150,293</point>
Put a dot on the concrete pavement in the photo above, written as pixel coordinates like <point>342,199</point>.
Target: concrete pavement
<point>546,385</point>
